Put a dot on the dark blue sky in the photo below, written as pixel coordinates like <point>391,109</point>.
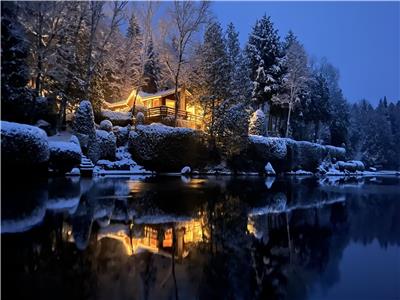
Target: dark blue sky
<point>359,38</point>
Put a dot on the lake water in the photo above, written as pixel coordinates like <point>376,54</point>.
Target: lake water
<point>201,238</point>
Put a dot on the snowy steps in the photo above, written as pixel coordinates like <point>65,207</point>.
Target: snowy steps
<point>86,166</point>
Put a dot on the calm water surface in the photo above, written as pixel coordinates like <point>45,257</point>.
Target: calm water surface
<point>201,238</point>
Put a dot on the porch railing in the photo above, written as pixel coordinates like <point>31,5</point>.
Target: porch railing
<point>163,111</point>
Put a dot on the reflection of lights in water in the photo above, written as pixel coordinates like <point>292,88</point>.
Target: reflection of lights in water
<point>150,240</point>
<point>196,182</point>
<point>136,186</point>
<point>250,226</point>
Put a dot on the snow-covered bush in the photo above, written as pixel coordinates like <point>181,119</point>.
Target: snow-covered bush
<point>336,153</point>
<point>74,140</point>
<point>122,134</point>
<point>350,166</point>
<point>23,146</point>
<point>104,147</point>
<point>106,125</point>
<point>257,124</point>
<point>44,125</point>
<point>231,129</point>
<point>285,154</point>
<point>118,118</point>
<point>64,156</point>
<point>303,155</point>
<point>274,148</point>
<point>83,123</point>
<point>163,148</point>
<point>139,118</point>
<point>123,161</point>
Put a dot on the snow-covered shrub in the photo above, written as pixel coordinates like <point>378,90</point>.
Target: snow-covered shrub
<point>274,148</point>
<point>104,147</point>
<point>269,170</point>
<point>257,124</point>
<point>123,161</point>
<point>163,148</point>
<point>106,125</point>
<point>259,151</point>
<point>118,118</point>
<point>139,118</point>
<point>186,170</point>
<point>74,140</point>
<point>83,123</point>
<point>303,155</point>
<point>44,125</point>
<point>350,166</point>
<point>231,129</point>
<point>64,156</point>
<point>23,146</point>
<point>122,134</point>
<point>335,153</point>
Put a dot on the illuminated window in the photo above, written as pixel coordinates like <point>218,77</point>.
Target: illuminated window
<point>170,103</point>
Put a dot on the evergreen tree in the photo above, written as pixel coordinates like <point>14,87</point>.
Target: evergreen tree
<point>339,121</point>
<point>264,57</point>
<point>215,69</point>
<point>15,97</point>
<point>257,123</point>
<point>240,87</point>
<point>152,70</point>
<point>317,109</point>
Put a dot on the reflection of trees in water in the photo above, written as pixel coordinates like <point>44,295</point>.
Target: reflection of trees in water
<point>241,255</point>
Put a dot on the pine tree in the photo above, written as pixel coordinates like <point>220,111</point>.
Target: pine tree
<point>240,88</point>
<point>215,69</point>
<point>317,108</point>
<point>152,70</point>
<point>15,97</point>
<point>339,121</point>
<point>264,57</point>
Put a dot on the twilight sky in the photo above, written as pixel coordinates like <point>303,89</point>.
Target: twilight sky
<point>362,39</point>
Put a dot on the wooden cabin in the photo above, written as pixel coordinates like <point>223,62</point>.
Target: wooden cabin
<point>160,107</point>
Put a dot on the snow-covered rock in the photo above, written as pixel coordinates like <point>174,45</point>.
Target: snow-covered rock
<point>75,172</point>
<point>117,118</point>
<point>186,170</point>
<point>162,148</point>
<point>23,146</point>
<point>122,134</point>
<point>106,125</point>
<point>64,155</point>
<point>269,170</point>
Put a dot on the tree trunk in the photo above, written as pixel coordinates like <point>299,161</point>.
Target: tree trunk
<point>62,114</point>
<point>316,131</point>
<point>288,120</point>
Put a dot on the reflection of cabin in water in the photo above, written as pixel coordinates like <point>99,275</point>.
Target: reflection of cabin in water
<point>160,107</point>
<point>155,238</point>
